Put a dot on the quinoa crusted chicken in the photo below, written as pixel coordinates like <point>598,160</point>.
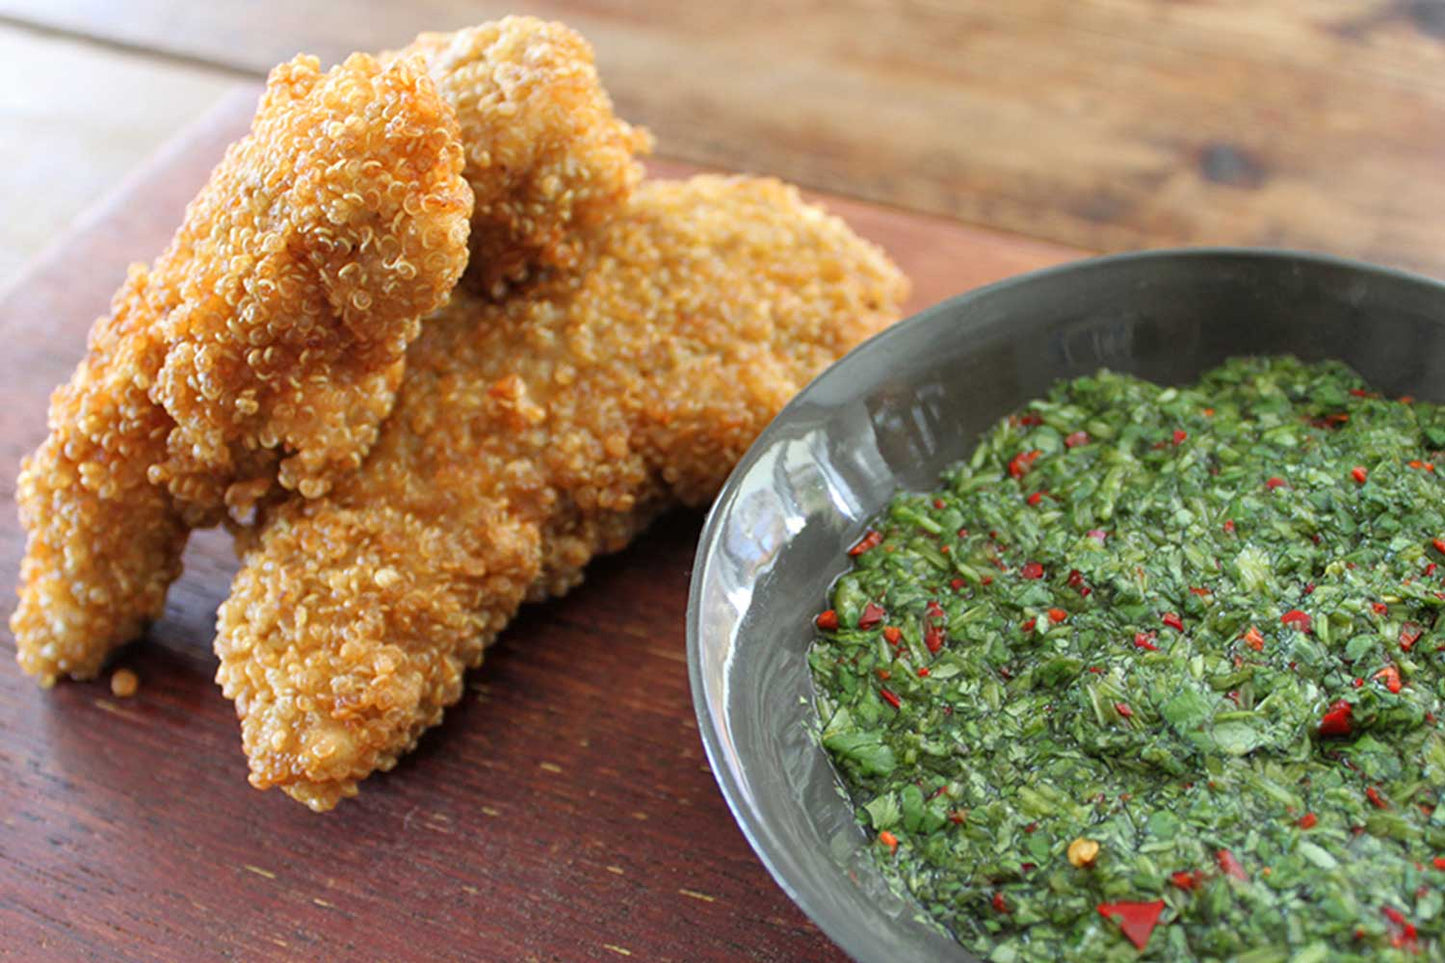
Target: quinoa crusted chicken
<point>259,353</point>
<point>546,156</point>
<point>529,436</point>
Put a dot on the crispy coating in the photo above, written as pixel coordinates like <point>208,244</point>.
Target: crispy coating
<point>546,157</point>
<point>529,436</point>
<point>261,349</point>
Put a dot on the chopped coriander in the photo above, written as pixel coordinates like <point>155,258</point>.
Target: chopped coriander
<point>1157,673</point>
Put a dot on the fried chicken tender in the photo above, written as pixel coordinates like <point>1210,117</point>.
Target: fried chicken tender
<point>546,157</point>
<point>529,436</point>
<point>259,353</point>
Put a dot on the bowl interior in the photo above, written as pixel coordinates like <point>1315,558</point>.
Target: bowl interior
<point>894,414</point>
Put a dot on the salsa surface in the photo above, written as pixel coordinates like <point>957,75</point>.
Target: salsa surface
<point>1156,672</point>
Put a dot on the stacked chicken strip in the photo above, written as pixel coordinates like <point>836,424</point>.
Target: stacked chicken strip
<point>406,459</point>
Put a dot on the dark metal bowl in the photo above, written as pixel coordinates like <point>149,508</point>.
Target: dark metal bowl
<point>898,410</point>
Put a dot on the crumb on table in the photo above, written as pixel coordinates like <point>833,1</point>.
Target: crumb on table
<point>124,683</point>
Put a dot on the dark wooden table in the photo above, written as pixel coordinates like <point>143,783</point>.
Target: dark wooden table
<point>565,809</point>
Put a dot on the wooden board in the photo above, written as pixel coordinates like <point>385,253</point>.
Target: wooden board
<point>1105,124</point>
<point>564,810</point>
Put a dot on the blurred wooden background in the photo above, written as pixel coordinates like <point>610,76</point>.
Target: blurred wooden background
<point>1100,124</point>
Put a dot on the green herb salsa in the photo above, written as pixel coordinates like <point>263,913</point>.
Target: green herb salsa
<point>1157,673</point>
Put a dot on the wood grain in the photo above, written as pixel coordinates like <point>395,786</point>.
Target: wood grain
<point>72,115</point>
<point>1106,124</point>
<point>564,811</point>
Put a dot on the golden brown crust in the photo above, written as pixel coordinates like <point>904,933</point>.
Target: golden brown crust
<point>546,157</point>
<point>529,436</point>
<point>262,348</point>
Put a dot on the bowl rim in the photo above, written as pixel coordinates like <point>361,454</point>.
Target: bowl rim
<point>747,819</point>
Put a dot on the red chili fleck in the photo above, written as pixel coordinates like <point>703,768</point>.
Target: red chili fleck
<point>1380,607</point>
<point>1183,880</point>
<point>1035,498</point>
<point>1020,464</point>
<point>1172,620</point>
<point>892,634</point>
<point>1391,677</point>
<point>963,533</point>
<point>1229,525</point>
<point>1032,570</point>
<point>1308,821</point>
<point>1145,640</point>
<point>1076,439</point>
<point>1361,393</point>
<point>1057,615</point>
<point>1358,683</point>
<point>1209,412</point>
<point>1298,619</point>
<point>923,672</point>
<point>1406,937</point>
<point>1180,436</point>
<point>987,580</point>
<point>890,698</point>
<point>1274,483</point>
<point>1229,864</point>
<point>884,674</point>
<point>1359,474</point>
<point>1254,639</point>
<point>1439,544</point>
<point>1000,904</point>
<point>1096,670</point>
<point>1410,633</point>
<point>1136,920</point>
<point>958,817</point>
<point>889,840</point>
<point>1336,721</point>
<point>1123,709</point>
<point>1439,862</point>
<point>871,540</point>
<point>1201,592</point>
<point>933,637</point>
<point>873,615</point>
<point>938,504</point>
<point>827,621</point>
<point>1029,625</point>
<point>1376,800</point>
<point>1429,570</point>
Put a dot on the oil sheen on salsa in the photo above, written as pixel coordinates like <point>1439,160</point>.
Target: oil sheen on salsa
<point>1157,673</point>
